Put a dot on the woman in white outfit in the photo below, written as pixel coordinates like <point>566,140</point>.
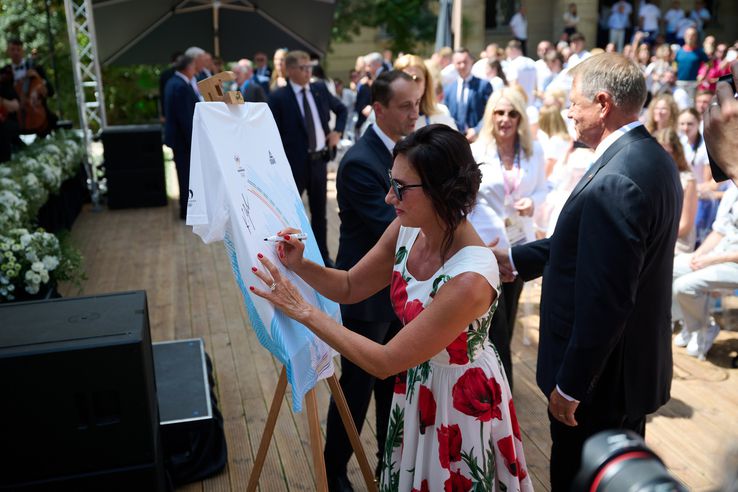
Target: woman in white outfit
<point>513,183</point>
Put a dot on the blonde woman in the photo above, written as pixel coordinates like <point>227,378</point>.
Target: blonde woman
<point>513,185</point>
<point>553,135</point>
<point>669,140</point>
<point>279,77</point>
<point>662,113</point>
<point>430,110</point>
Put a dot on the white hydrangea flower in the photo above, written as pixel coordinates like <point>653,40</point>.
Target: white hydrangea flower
<point>50,262</point>
<point>38,266</point>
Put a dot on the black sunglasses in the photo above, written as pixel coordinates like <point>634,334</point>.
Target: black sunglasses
<point>397,187</point>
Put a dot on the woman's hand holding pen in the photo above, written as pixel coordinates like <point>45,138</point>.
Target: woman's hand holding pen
<point>291,250</point>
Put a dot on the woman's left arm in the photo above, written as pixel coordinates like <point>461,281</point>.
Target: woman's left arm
<point>689,209</point>
<point>459,302</point>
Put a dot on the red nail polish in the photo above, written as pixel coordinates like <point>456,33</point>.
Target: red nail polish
<point>251,288</point>
<point>253,269</point>
<point>287,237</point>
<point>260,255</point>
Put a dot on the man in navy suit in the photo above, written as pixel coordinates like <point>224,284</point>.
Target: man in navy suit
<point>604,355</point>
<point>180,100</point>
<point>362,184</point>
<point>467,96</point>
<point>301,110</point>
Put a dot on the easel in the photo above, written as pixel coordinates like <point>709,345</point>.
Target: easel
<point>211,90</point>
<point>315,441</point>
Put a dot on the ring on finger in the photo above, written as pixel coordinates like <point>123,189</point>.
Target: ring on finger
<point>273,286</point>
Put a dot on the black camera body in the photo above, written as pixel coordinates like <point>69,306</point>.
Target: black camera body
<point>619,461</point>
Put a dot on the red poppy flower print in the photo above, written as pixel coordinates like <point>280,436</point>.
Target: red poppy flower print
<point>401,383</point>
<point>457,483</point>
<point>476,395</point>
<point>506,445</point>
<point>426,408</point>
<point>449,444</point>
<point>412,310</point>
<point>514,421</point>
<point>457,350</point>
<point>423,487</point>
<point>398,293</point>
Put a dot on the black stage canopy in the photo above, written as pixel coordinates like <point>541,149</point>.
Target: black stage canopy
<point>149,31</point>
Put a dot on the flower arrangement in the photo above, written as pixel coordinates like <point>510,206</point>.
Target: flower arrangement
<point>31,258</point>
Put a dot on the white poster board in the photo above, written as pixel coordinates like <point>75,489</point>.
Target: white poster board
<point>241,191</point>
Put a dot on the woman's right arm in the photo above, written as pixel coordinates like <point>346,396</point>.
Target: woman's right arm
<point>370,275</point>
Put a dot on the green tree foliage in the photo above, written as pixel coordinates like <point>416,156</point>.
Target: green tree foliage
<point>405,23</point>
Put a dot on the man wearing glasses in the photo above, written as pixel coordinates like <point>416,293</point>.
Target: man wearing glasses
<point>362,184</point>
<point>301,110</point>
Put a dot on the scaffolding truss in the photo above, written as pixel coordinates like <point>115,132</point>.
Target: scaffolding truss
<point>87,86</point>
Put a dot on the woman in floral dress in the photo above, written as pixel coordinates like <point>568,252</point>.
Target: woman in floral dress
<point>453,425</point>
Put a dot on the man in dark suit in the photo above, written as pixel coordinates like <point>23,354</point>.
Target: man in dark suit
<point>180,100</point>
<point>246,81</point>
<point>362,184</point>
<point>467,96</point>
<point>301,110</point>
<point>604,355</point>
<point>262,73</point>
<point>164,77</point>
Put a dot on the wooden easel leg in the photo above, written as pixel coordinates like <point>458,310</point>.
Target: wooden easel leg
<point>266,437</point>
<point>353,434</point>
<point>316,445</point>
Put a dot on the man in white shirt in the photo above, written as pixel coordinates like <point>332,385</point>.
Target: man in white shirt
<point>578,53</point>
<point>713,266</point>
<point>649,15</point>
<point>542,70</point>
<point>479,69</point>
<point>521,70</point>
<point>519,27</point>
<point>617,24</point>
<point>671,19</point>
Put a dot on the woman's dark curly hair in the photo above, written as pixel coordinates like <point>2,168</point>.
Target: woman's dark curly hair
<point>443,159</point>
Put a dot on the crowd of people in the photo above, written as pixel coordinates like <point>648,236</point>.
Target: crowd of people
<point>510,154</point>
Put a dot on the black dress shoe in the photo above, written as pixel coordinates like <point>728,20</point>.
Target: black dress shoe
<point>339,483</point>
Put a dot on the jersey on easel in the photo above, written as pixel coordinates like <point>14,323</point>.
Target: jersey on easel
<point>241,191</point>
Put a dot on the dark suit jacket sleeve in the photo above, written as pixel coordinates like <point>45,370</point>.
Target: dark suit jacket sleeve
<point>531,258</point>
<point>275,104</point>
<point>178,108</point>
<point>485,92</point>
<point>611,254</point>
<point>365,187</point>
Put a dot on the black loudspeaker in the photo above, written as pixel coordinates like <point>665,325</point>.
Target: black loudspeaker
<point>192,433</point>
<point>134,166</point>
<point>79,409</point>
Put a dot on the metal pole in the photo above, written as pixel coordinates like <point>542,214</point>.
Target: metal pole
<point>86,70</point>
<point>216,28</point>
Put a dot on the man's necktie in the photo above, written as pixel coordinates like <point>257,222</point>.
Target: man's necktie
<point>309,124</point>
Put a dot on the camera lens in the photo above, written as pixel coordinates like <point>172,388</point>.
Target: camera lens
<point>619,461</point>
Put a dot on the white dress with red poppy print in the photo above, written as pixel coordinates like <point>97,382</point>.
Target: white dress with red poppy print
<point>452,424</point>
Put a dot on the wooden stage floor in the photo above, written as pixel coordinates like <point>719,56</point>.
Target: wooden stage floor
<point>191,293</point>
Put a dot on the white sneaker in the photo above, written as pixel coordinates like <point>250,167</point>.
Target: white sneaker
<point>701,341</point>
<point>682,338</point>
